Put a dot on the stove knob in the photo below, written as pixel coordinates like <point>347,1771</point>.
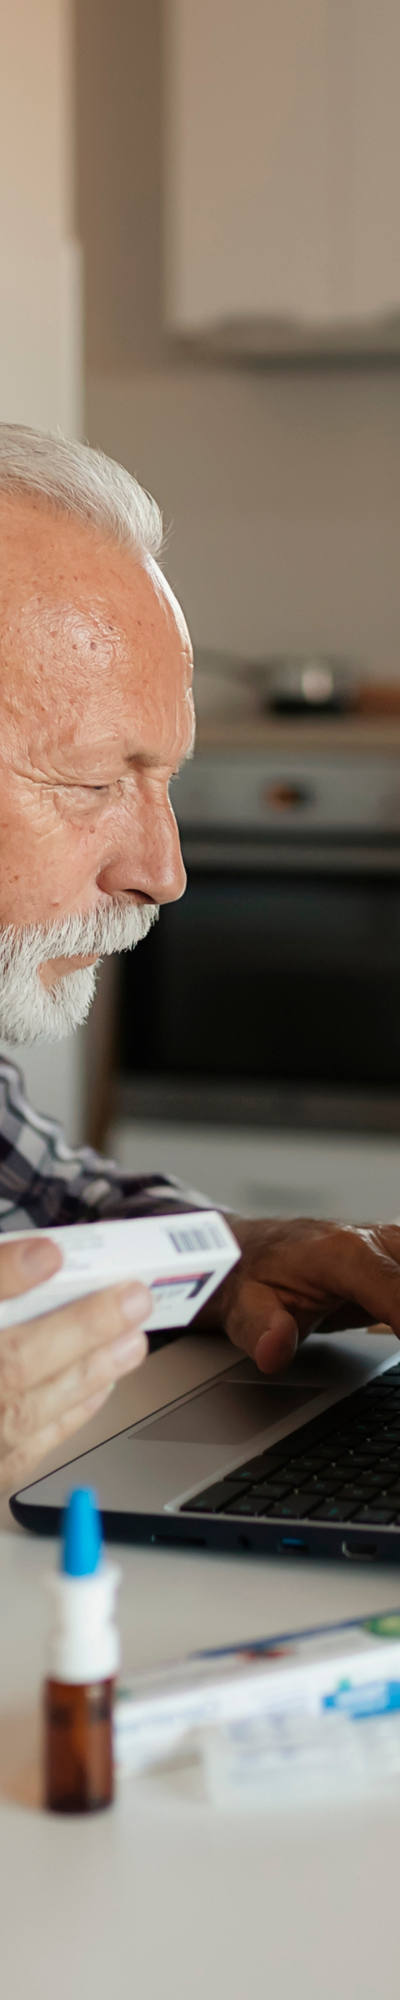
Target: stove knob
<point>285,796</point>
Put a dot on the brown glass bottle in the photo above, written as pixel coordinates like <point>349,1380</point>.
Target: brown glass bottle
<point>78,1746</point>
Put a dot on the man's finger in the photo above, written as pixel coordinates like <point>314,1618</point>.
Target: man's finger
<point>93,1376</point>
<point>276,1348</point>
<point>27,1262</point>
<point>38,1350</point>
<point>367,1274</point>
<point>261,1327</point>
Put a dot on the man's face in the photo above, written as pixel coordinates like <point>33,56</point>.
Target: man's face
<point>96,714</point>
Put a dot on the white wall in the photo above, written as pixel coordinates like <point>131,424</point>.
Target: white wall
<point>283,486</point>
<point>284,494</point>
<point>40,317</point>
<point>40,330</point>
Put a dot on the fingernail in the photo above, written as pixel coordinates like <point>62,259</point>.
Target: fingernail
<point>39,1256</point>
<point>261,1350</point>
<point>136,1302</point>
<point>287,1348</point>
<point>132,1348</point>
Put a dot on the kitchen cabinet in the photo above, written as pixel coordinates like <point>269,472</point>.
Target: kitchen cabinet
<point>282,172</point>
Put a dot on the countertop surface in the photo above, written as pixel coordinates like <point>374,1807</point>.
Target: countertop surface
<point>162,1897</point>
<point>351,735</point>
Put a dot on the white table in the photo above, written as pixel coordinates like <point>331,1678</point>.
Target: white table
<point>160,1899</point>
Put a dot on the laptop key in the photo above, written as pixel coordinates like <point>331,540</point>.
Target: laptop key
<point>323,1489</point>
<point>376,1480</point>
<point>255,1467</point>
<point>353,1496</point>
<point>213,1498</point>
<point>247,1505</point>
<point>296,1507</point>
<point>246,1474</point>
<point>381,1450</point>
<point>304,1466</point>
<point>254,1502</point>
<point>378,1517</point>
<point>348,1461</point>
<point>266,1489</point>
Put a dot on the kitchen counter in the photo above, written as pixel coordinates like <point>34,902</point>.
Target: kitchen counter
<point>356,734</point>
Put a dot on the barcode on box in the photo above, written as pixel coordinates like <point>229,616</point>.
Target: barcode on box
<point>208,1237</point>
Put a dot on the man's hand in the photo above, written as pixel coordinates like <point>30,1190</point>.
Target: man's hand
<point>57,1370</point>
<point>295,1277</point>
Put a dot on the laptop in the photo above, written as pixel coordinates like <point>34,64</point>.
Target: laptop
<point>304,1463</point>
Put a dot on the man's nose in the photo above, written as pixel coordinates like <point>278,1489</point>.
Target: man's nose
<point>147,857</point>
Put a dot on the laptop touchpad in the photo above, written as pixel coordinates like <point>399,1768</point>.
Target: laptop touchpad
<point>226,1414</point>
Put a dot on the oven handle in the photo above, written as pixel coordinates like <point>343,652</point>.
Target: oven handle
<point>292,856</point>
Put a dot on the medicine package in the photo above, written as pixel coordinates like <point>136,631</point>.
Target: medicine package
<point>181,1257</point>
<point>303,1715</point>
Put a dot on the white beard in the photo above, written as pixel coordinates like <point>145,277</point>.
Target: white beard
<point>31,1012</point>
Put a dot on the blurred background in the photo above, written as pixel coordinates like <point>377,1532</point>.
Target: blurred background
<point>200,272</point>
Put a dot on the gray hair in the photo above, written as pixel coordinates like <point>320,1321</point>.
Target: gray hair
<point>82,481</point>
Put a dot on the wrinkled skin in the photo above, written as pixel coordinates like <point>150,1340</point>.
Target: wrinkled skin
<point>297,1277</point>
<point>96,713</point>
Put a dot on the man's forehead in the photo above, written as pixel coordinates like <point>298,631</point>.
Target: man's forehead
<point>71,640</point>
<point>61,577</point>
<point>83,629</point>
<point>93,645</point>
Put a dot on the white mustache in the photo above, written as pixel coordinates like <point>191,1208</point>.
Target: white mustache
<point>118,927</point>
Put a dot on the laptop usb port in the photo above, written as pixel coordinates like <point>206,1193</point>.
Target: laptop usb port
<point>294,1542</point>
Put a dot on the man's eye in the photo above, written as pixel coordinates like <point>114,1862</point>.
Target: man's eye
<point>89,789</point>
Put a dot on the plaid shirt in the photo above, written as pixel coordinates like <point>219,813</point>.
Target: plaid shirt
<point>44,1183</point>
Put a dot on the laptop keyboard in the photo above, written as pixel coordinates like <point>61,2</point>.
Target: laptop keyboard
<point>345,1466</point>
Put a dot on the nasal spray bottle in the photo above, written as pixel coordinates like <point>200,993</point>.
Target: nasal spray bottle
<point>82,1663</point>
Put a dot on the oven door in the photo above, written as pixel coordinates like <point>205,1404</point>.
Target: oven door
<point>280,965</point>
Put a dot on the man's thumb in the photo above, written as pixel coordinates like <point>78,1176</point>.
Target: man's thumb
<point>260,1326</point>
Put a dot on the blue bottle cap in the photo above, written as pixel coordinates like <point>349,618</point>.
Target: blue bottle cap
<point>81,1534</point>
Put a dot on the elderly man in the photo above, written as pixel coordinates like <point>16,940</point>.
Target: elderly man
<point>96,715</point>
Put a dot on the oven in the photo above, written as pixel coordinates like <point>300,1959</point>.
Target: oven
<point>268,999</point>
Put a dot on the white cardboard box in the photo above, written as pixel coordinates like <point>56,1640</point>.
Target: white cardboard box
<point>182,1258</point>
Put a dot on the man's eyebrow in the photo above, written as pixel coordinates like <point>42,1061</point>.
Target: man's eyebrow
<point>148,762</point>
<point>146,759</point>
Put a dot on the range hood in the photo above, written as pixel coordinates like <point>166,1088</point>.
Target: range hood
<point>260,340</point>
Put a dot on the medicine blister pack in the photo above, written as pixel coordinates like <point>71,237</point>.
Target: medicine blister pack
<point>181,1257</point>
